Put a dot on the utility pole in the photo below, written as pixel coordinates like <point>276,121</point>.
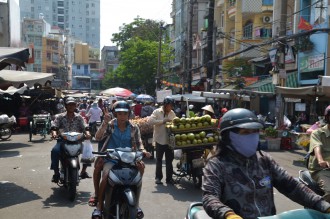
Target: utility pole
<point>210,30</point>
<point>281,61</point>
<point>214,54</point>
<point>189,56</point>
<point>159,76</point>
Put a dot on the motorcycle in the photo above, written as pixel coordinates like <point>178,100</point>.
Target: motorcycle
<point>196,211</point>
<point>6,130</point>
<point>124,178</point>
<point>71,148</point>
<point>93,127</point>
<point>190,165</point>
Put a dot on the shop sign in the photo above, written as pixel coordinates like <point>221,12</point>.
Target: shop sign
<point>311,63</point>
<point>292,100</point>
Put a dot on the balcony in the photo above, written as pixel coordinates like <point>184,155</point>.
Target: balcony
<point>267,5</point>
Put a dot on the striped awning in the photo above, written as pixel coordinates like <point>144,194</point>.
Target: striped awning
<point>268,86</point>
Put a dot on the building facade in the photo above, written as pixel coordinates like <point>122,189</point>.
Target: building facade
<point>81,19</point>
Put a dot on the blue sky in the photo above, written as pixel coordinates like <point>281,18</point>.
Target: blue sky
<point>116,12</point>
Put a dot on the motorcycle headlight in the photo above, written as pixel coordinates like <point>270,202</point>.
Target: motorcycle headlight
<point>127,157</point>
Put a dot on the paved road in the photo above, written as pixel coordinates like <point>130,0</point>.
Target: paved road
<point>26,191</point>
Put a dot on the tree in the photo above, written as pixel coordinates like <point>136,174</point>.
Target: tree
<point>141,28</point>
<point>138,56</point>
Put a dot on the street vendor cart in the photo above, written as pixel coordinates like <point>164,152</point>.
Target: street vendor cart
<point>146,131</point>
<point>192,139</point>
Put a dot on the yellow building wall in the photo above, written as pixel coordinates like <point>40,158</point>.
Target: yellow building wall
<point>81,52</point>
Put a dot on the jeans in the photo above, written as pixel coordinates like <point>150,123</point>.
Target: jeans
<point>169,156</point>
<point>55,156</point>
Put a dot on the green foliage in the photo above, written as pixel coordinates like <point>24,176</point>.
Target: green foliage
<point>139,42</point>
<point>139,28</point>
<point>238,65</point>
<point>271,132</point>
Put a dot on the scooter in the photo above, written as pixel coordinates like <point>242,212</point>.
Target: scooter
<point>94,126</point>
<point>196,211</point>
<point>124,178</point>
<point>71,148</point>
<point>6,130</point>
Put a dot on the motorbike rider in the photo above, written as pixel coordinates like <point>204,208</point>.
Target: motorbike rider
<point>319,159</point>
<point>239,180</point>
<point>119,132</point>
<point>65,122</point>
<point>94,114</point>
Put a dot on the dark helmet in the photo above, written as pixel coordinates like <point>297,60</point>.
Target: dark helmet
<point>168,100</point>
<point>240,118</point>
<point>121,106</point>
<point>327,111</point>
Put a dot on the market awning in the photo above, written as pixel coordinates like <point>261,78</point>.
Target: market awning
<point>30,78</point>
<point>16,56</point>
<point>299,92</point>
<point>191,98</point>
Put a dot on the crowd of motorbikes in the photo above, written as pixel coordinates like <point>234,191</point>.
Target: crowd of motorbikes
<point>124,177</point>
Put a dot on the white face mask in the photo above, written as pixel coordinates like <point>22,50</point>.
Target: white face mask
<point>246,145</point>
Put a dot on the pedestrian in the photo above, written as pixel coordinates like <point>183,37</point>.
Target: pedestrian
<point>239,181</point>
<point>158,118</point>
<point>68,121</point>
<point>319,160</point>
<point>208,110</point>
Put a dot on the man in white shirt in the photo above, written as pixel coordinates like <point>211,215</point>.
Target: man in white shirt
<point>158,118</point>
<point>94,114</point>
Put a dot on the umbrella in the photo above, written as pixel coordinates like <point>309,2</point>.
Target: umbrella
<point>144,98</point>
<point>117,91</point>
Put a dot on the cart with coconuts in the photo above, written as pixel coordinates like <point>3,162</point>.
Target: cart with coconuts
<point>146,130</point>
<point>191,139</point>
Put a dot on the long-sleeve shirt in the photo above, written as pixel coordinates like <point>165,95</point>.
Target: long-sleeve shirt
<point>245,186</point>
<point>157,117</point>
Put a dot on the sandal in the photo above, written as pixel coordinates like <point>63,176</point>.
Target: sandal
<point>139,213</point>
<point>92,201</point>
<point>97,214</point>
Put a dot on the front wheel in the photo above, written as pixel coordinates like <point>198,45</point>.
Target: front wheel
<point>5,133</point>
<point>127,211</point>
<point>72,186</point>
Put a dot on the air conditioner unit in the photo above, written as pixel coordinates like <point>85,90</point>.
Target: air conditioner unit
<point>267,19</point>
<point>220,29</point>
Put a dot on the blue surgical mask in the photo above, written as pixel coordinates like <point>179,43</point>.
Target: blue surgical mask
<point>246,145</point>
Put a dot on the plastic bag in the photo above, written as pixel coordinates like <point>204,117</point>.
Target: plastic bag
<point>177,154</point>
<point>87,156</point>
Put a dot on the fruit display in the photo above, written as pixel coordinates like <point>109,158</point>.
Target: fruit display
<point>193,123</point>
<point>190,132</point>
<point>143,124</point>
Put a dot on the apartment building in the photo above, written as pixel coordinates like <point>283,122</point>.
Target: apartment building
<point>81,19</point>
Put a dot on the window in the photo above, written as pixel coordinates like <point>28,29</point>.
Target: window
<point>32,9</point>
<point>78,66</point>
<point>267,2</point>
<point>247,30</point>
<point>60,10</point>
<point>60,4</point>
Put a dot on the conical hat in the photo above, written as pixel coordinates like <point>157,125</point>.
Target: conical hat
<point>208,108</point>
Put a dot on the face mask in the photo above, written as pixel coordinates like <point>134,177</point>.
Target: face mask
<point>246,145</point>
